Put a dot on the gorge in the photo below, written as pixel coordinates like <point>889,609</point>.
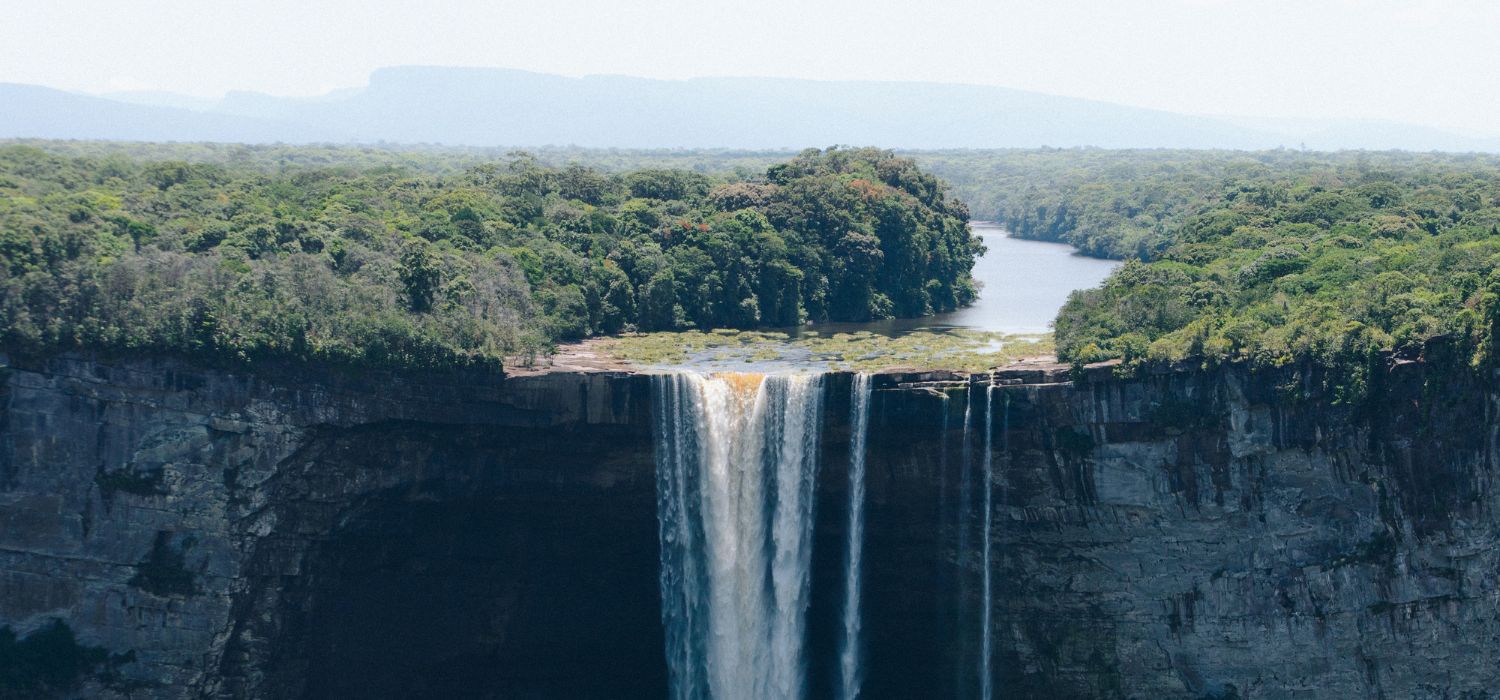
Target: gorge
<point>1192,532</point>
<point>275,426</point>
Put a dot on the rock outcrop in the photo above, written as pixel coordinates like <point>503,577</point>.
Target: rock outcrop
<point>329,535</point>
<point>187,531</point>
<point>1198,534</point>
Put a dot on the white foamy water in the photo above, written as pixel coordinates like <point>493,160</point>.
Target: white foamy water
<point>736,466</point>
<point>850,671</point>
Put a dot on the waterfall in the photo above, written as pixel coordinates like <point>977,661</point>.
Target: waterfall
<point>965,488</point>
<point>986,689</point>
<point>736,463</point>
<point>962,558</point>
<point>849,649</point>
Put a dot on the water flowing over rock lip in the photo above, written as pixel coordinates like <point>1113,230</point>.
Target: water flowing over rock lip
<point>588,357</point>
<point>1387,505</point>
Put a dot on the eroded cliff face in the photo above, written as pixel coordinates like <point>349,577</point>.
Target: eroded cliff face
<point>1194,533</point>
<point>224,535</point>
<point>1202,534</point>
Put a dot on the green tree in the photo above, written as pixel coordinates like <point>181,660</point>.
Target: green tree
<point>420,274</point>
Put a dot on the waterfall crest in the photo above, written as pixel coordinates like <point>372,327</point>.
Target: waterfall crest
<point>736,464</point>
<point>850,673</point>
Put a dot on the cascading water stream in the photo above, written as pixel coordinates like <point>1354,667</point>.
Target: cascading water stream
<point>963,525</point>
<point>986,644</point>
<point>849,644</point>
<point>736,465</point>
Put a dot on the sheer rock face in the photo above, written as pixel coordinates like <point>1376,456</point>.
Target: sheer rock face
<point>1206,534</point>
<point>1193,533</point>
<point>235,533</point>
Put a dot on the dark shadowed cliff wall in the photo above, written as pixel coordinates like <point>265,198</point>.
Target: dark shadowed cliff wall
<point>1187,534</point>
<point>1199,534</point>
<point>331,536</point>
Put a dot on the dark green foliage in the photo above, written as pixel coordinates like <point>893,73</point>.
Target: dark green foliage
<point>47,662</point>
<point>1116,204</point>
<point>1124,203</point>
<point>1180,414</point>
<point>1379,548</point>
<point>164,571</point>
<point>1072,442</point>
<point>130,481</point>
<point>420,276</point>
<point>404,258</point>
<point>1226,692</point>
<point>1276,256</point>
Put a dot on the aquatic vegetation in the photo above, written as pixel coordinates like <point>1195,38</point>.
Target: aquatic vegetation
<point>958,349</point>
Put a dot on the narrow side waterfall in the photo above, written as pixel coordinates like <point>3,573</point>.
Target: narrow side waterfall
<point>964,523</point>
<point>986,643</point>
<point>849,644</point>
<point>736,464</point>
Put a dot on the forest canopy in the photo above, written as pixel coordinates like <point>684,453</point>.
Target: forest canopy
<point>402,258</point>
<point>448,256</point>
<point>1269,257</point>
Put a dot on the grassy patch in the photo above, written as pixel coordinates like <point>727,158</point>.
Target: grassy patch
<point>963,350</point>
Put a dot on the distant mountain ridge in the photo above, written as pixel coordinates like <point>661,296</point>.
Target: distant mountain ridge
<point>503,107</point>
<point>30,111</point>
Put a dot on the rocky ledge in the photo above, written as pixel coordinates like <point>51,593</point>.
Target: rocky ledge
<point>174,530</point>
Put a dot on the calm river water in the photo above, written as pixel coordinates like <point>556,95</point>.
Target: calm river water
<point>1022,286</point>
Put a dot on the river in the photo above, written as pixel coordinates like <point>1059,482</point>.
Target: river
<point>1023,284</point>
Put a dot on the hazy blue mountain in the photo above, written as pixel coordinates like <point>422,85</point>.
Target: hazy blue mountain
<point>39,112</point>
<point>499,107</point>
<point>491,107</point>
<point>159,98</point>
<point>1341,134</point>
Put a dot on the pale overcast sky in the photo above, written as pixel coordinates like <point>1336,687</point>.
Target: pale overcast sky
<point>1425,61</point>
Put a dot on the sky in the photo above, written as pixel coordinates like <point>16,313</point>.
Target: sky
<point>1432,62</point>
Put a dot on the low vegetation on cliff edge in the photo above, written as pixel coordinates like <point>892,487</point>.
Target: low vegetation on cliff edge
<point>385,264</point>
<point>965,350</point>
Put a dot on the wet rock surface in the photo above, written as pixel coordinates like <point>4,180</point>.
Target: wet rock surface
<point>1191,534</point>
<point>1182,534</point>
<point>331,535</point>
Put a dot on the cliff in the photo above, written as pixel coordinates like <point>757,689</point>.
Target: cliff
<point>228,533</point>
<point>1206,533</point>
<point>171,530</point>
